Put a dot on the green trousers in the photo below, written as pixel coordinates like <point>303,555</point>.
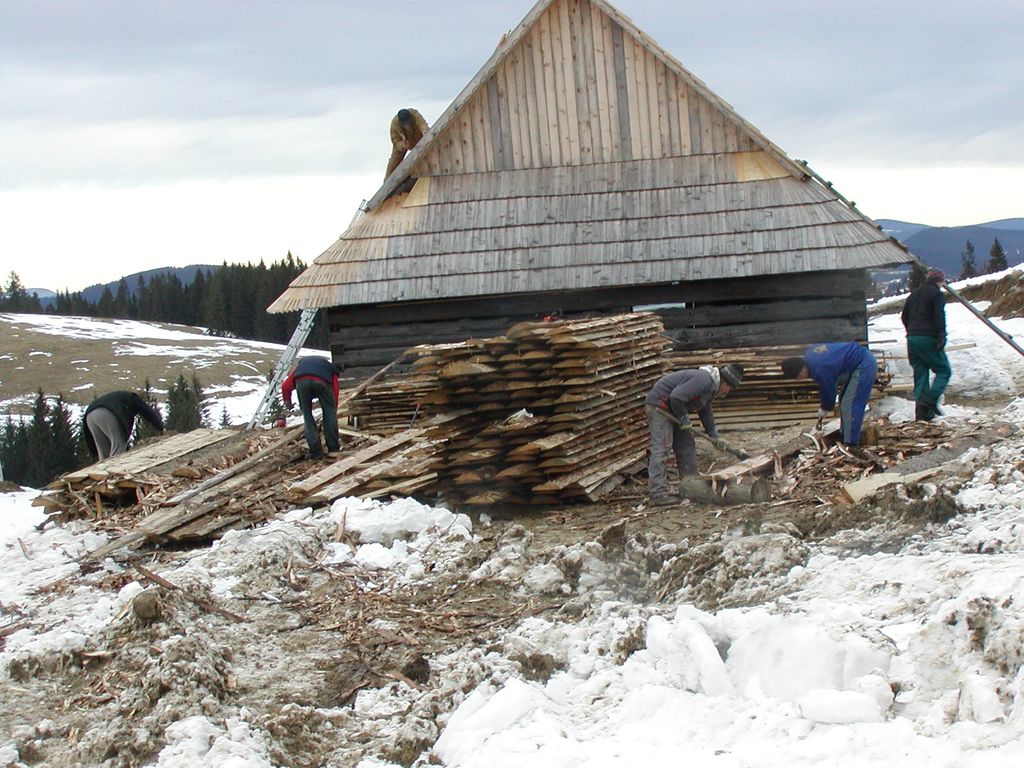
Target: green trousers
<point>925,359</point>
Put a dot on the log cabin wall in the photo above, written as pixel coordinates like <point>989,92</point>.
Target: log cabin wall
<point>776,310</point>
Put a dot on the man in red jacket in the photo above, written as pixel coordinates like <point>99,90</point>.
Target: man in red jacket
<point>315,377</point>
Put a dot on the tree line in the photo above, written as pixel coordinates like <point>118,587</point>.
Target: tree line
<point>996,260</point>
<point>228,301</point>
<point>37,450</point>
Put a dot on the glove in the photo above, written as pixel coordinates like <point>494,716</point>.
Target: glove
<point>721,444</point>
<point>940,342</point>
<point>823,414</point>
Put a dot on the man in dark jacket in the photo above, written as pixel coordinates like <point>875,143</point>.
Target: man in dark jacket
<point>924,317</point>
<point>679,394</point>
<point>315,377</point>
<point>110,419</point>
<point>839,364</point>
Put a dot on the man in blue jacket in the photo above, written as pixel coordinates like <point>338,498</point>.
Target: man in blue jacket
<point>315,378</point>
<point>839,364</point>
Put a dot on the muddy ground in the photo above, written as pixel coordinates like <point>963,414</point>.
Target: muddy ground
<point>333,664</point>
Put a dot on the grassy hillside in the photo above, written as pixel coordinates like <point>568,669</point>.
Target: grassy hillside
<point>81,358</point>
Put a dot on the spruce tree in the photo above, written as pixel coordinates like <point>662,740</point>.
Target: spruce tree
<point>185,408</point>
<point>64,451</point>
<point>967,266</point>
<point>143,429</point>
<point>996,258</point>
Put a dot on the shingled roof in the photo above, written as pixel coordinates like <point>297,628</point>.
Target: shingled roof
<point>582,155</point>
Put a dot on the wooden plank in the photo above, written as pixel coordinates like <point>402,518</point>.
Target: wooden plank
<point>538,93</point>
<point>866,486</point>
<point>302,488</point>
<point>570,85</point>
<point>545,45</point>
<point>621,94</point>
<point>505,77</point>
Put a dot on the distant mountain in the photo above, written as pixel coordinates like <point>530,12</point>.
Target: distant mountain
<point>185,274</point>
<point>941,247</point>
<point>43,294</point>
<point>93,293</point>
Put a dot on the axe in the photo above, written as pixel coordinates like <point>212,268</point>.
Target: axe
<point>737,452</point>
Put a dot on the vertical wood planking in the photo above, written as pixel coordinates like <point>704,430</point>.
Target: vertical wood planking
<point>643,106</point>
<point>547,88</point>
<point>509,122</point>
<point>707,117</point>
<point>622,93</point>
<point>605,61</point>
<point>718,130</point>
<point>494,121</point>
<point>468,136</point>
<point>637,128</point>
<point>682,113</point>
<point>536,102</point>
<point>582,53</point>
<point>523,119</point>
<point>669,133</point>
<point>483,157</point>
<point>504,112</point>
<point>654,105</point>
<point>566,83</point>
<point>593,49</point>
<point>693,110</point>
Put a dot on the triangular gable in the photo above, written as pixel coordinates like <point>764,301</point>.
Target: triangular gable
<point>576,82</point>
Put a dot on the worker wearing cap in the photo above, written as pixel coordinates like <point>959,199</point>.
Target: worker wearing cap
<point>407,128</point>
<point>924,317</point>
<point>840,364</point>
<point>681,393</point>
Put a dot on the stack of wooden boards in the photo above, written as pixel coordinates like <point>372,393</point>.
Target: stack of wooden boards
<point>549,412</point>
<point>765,399</point>
<point>134,477</point>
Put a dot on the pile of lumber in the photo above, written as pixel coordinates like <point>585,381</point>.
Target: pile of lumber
<point>765,398</point>
<point>549,412</point>
<point>140,476</point>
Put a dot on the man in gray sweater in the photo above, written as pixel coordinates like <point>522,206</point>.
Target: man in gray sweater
<point>679,394</point>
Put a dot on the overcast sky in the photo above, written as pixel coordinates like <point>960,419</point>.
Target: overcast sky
<point>143,133</point>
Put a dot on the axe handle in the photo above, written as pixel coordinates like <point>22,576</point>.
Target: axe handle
<point>671,417</point>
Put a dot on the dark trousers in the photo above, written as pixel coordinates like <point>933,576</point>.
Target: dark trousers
<point>925,359</point>
<point>307,390</point>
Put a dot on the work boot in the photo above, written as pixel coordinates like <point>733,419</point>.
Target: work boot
<point>662,500</point>
<point>923,411</point>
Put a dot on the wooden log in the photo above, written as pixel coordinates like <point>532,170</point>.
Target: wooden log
<point>705,491</point>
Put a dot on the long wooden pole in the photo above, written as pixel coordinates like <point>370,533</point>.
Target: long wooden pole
<point>952,292</point>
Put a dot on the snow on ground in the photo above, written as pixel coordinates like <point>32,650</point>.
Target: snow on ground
<point>912,657</point>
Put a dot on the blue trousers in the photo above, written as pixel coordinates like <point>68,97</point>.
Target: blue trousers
<point>854,399</point>
<point>307,390</point>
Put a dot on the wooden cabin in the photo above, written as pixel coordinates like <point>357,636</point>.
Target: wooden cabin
<point>585,171</point>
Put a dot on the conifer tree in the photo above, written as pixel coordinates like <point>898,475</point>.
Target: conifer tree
<point>143,429</point>
<point>185,408</point>
<point>967,266</point>
<point>996,258</point>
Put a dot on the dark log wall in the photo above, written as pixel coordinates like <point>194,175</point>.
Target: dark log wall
<point>779,309</point>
